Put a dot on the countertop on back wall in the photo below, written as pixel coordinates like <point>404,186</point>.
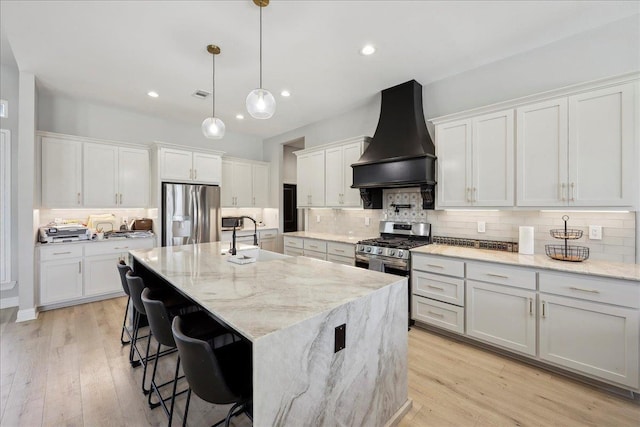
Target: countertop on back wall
<point>615,270</point>
<point>339,238</point>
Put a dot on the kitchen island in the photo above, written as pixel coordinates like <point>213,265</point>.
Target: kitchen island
<point>289,309</point>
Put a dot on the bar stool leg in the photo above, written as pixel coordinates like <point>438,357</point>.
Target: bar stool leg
<point>173,393</point>
<point>124,325</point>
<point>186,408</point>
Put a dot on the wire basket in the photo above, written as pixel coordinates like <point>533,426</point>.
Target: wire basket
<point>567,253</point>
<point>571,233</point>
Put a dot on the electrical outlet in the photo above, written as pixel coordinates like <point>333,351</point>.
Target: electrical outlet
<point>482,227</point>
<point>595,232</point>
<point>367,221</point>
<point>317,218</point>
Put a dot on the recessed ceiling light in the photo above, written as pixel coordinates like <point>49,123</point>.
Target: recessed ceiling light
<point>239,116</point>
<point>153,94</point>
<point>368,50</point>
<point>285,93</point>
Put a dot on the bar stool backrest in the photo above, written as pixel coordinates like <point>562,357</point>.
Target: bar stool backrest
<point>123,269</point>
<point>201,367</point>
<point>136,286</point>
<point>159,320</point>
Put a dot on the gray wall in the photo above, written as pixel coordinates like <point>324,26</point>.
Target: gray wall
<point>61,114</point>
<point>9,92</point>
<point>603,52</point>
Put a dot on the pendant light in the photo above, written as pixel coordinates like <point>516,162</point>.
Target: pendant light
<point>260,103</point>
<point>212,127</point>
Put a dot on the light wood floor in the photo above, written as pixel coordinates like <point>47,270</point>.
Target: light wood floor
<point>68,369</point>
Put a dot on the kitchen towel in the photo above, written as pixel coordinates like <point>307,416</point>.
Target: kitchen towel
<point>525,241</point>
<point>376,265</point>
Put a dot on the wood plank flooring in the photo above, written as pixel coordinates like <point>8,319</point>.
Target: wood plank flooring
<point>67,368</point>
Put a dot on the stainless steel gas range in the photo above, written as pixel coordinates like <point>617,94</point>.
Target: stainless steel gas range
<point>389,253</point>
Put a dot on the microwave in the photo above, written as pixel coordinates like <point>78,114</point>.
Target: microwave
<point>228,222</point>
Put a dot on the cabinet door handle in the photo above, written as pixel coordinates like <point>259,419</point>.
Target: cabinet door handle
<point>435,314</point>
<point>124,247</point>
<point>474,195</point>
<point>435,266</point>
<point>435,287</point>
<point>116,198</point>
<point>62,253</point>
<point>531,306</point>
<point>190,173</point>
<point>593,291</point>
<point>79,267</point>
<point>78,198</point>
<point>195,174</point>
<point>254,200</point>
<point>339,250</point>
<point>544,313</point>
<point>120,198</point>
<point>469,194</point>
<point>573,190</point>
<point>497,275</point>
<point>562,186</point>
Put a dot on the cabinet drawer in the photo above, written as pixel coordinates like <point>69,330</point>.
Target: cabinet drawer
<point>438,265</point>
<point>315,254</point>
<point>504,275</point>
<point>116,246</point>
<point>437,313</point>
<point>315,245</point>
<point>441,288</point>
<point>60,252</point>
<point>293,242</point>
<point>293,252</point>
<point>341,259</point>
<point>610,291</point>
<point>271,234</point>
<point>341,249</point>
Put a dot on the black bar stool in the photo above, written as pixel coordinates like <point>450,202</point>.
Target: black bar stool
<point>174,302</point>
<point>217,375</point>
<point>123,269</point>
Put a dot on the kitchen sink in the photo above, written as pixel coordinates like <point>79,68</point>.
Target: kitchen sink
<point>261,255</point>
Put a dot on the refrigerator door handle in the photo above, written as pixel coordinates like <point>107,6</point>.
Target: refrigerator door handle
<point>197,216</point>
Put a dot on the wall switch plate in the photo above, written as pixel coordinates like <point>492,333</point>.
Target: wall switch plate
<point>595,232</point>
<point>317,218</point>
<point>482,227</point>
<point>367,221</point>
<point>340,338</point>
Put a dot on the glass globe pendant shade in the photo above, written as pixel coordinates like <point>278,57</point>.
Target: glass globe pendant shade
<point>261,104</point>
<point>213,128</point>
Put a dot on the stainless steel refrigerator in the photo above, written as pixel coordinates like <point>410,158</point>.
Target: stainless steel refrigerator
<point>190,214</point>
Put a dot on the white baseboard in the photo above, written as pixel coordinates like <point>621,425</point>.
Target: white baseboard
<point>9,302</point>
<point>27,314</point>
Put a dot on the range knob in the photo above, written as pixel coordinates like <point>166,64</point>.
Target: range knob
<point>392,252</point>
<point>400,254</point>
<point>379,250</point>
<point>368,249</point>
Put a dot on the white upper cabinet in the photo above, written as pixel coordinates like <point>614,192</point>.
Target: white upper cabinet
<point>244,184</point>
<point>339,175</point>
<point>260,185</point>
<point>189,166</point>
<point>601,147</point>
<point>578,150</point>
<point>542,142</point>
<point>61,173</point>
<point>115,176</point>
<point>475,161</point>
<point>311,179</point>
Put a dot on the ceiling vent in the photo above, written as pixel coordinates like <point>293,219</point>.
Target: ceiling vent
<point>201,94</point>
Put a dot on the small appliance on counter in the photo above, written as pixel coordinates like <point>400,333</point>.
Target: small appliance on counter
<point>142,224</point>
<point>64,233</point>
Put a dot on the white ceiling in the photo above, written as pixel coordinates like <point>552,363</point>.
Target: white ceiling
<point>114,52</point>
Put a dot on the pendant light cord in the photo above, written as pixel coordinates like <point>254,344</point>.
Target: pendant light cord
<point>261,47</point>
<point>213,87</point>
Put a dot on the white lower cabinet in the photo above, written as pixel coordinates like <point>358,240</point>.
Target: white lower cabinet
<point>70,274</point>
<point>268,240</point>
<point>446,316</point>
<point>339,253</point>
<point>592,338</point>
<point>502,315</point>
<point>60,280</point>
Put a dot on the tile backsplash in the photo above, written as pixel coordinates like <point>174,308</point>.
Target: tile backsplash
<point>618,242</point>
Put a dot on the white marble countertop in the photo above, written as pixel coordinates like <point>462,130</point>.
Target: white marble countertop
<point>329,237</point>
<point>596,268</point>
<point>263,297</point>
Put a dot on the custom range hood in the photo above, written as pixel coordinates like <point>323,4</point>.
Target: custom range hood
<point>401,153</point>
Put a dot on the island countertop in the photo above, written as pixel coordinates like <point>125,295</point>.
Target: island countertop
<point>613,270</point>
<point>259,298</point>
